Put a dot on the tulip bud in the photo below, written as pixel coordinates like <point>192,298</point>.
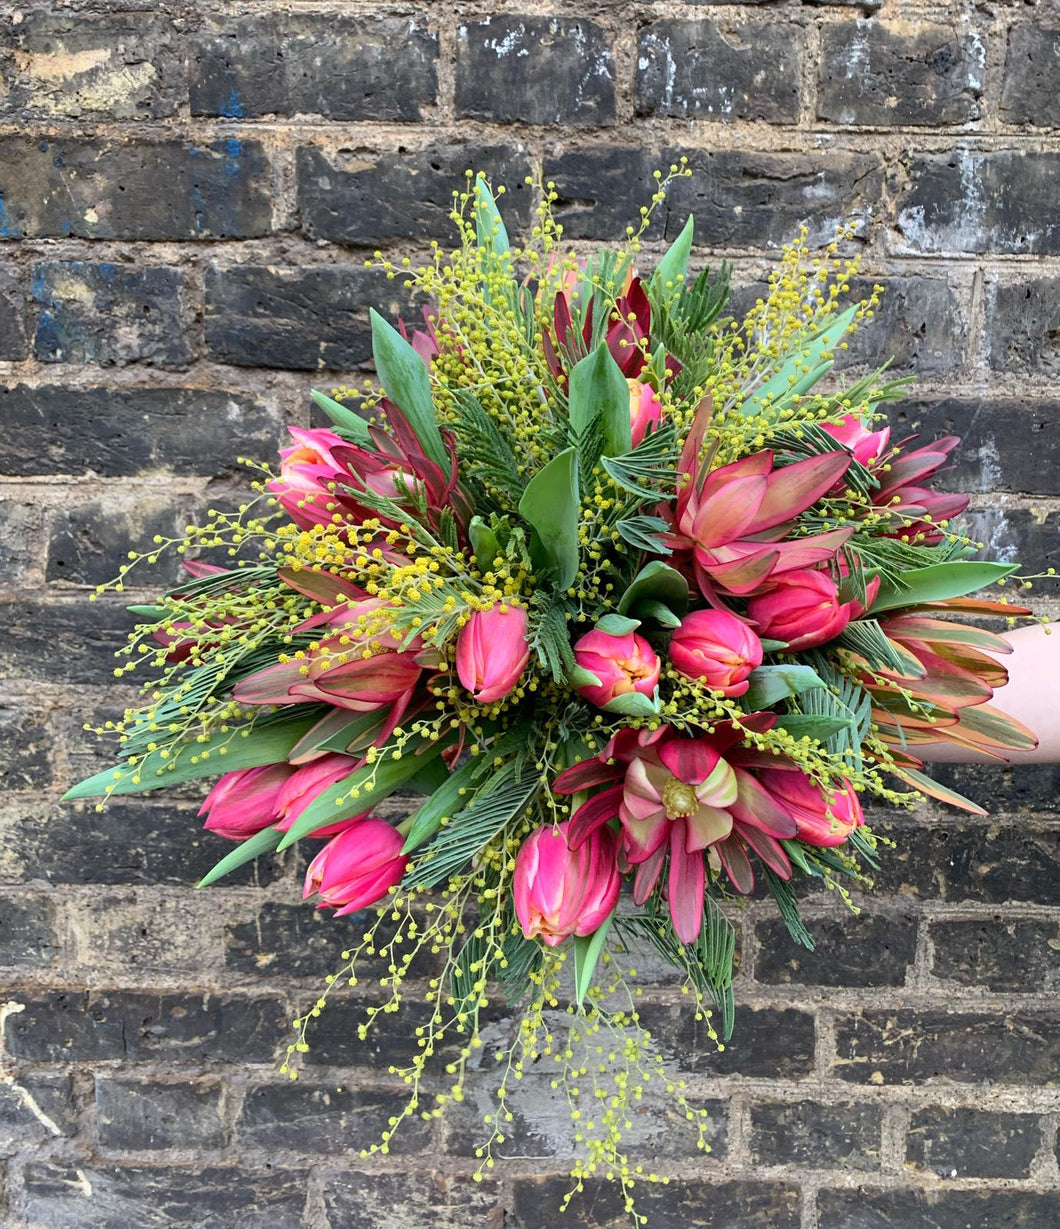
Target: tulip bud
<point>307,784</point>
<point>357,868</point>
<point>823,818</point>
<point>245,801</point>
<point>621,663</point>
<point>645,410</point>
<point>802,608</point>
<point>561,892</point>
<point>717,647</point>
<point>492,652</point>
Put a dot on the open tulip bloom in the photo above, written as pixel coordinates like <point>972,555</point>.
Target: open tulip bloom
<point>638,598</point>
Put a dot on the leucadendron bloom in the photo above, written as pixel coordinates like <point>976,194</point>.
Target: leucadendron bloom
<point>492,652</point>
<point>356,868</point>
<point>621,663</point>
<point>559,891</point>
<point>718,648</point>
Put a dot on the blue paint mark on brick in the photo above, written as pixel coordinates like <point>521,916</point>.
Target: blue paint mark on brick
<point>7,230</point>
<point>39,284</point>
<point>234,151</point>
<point>233,108</point>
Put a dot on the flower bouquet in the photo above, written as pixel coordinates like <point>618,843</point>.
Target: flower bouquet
<point>640,613</point>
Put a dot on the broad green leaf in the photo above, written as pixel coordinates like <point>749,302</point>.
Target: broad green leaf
<point>431,777</point>
<point>657,582</point>
<point>261,842</point>
<point>446,800</point>
<point>599,392</point>
<point>490,231</point>
<point>344,418</point>
<point>587,952</point>
<point>772,683</point>
<point>662,615</point>
<point>806,362</point>
<point>266,744</point>
<point>939,582</point>
<point>669,276</point>
<point>616,625</point>
<point>336,731</point>
<point>551,505</point>
<point>634,704</point>
<point>483,542</point>
<point>405,381</point>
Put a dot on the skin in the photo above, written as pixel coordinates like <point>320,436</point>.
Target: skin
<point>1030,696</point>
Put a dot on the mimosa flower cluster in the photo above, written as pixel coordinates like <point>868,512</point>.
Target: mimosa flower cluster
<point>637,597</point>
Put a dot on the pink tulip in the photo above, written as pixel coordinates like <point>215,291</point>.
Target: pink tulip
<point>492,652</point>
<point>802,608</point>
<point>622,664</point>
<point>717,647</point>
<point>867,446</point>
<point>823,818</point>
<point>645,409</point>
<point>307,784</point>
<point>561,892</point>
<point>357,868</point>
<point>245,801</point>
<point>305,472</point>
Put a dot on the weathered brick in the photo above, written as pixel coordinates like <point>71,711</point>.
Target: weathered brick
<point>51,1095</point>
<point>920,324</point>
<point>30,630</point>
<point>866,1208</point>
<point>534,70</point>
<point>25,749</point>
<point>971,201</point>
<point>713,71</point>
<point>1006,788</point>
<point>344,68</point>
<point>966,1143</point>
<point>14,333</point>
<point>113,189</point>
<point>909,1047</point>
<point>398,1201</point>
<point>64,1196</point>
<point>27,931</point>
<point>1023,326</point>
<point>93,1026</point>
<point>1001,954</point>
<point>346,197</point>
<point>751,1205</point>
<point>1029,95</point>
<point>111,315</point>
<point>320,1118</point>
<point>768,1042</point>
<point>84,66</point>
<point>843,1136</point>
<point>1028,536</point>
<point>740,199</point>
<point>146,1115</point>
<point>864,950</point>
<point>52,429</point>
<point>900,73</point>
<point>21,539</point>
<point>293,941</point>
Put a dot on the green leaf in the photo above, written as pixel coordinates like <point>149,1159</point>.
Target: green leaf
<point>551,505</point>
<point>662,615</point>
<point>599,393</point>
<point>580,677</point>
<point>772,683</point>
<point>490,231</point>
<point>616,625</point>
<point>151,614</point>
<point>483,542</point>
<point>668,280</point>
<point>939,582</point>
<point>787,903</point>
<point>405,381</point>
<point>265,744</point>
<point>345,419</point>
<point>587,951</point>
<point>800,725</point>
<point>775,392</point>
<point>634,704</point>
<point>657,582</point>
<point>445,801</point>
<point>645,533</point>
<point>261,842</point>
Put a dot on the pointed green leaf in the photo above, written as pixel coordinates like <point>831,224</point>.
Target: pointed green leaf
<point>490,231</point>
<point>483,542</point>
<point>657,582</point>
<point>669,276</point>
<point>587,952</point>
<point>344,418</point>
<point>405,382</point>
<point>940,581</point>
<point>552,506</point>
<point>616,625</point>
<point>261,842</point>
<point>806,362</point>
<point>598,391</point>
<point>446,800</point>
<point>634,704</point>
<point>772,683</point>
<point>150,614</point>
<point>662,615</point>
<point>580,677</point>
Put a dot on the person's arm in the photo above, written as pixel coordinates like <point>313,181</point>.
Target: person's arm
<point>1032,695</point>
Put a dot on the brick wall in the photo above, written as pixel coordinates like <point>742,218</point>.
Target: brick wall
<point>187,192</point>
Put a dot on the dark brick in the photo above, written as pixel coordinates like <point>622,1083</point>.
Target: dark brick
<point>82,66</point>
<point>865,1208</point>
<point>534,70</point>
<point>1007,444</point>
<point>970,201</point>
<point>397,1201</point>
<point>94,1026</point>
<point>347,197</point>
<point>1023,326</point>
<point>318,1118</point>
<point>133,190</point>
<point>292,940</point>
<point>966,1143</point>
<point>767,1042</point>
<point>863,950</point>
<point>25,750</point>
<point>344,68</point>
<point>14,334</point>
<point>703,70</point>
<point>21,539</point>
<point>1029,95</point>
<point>679,1204</point>
<point>1028,536</point>
<point>108,1196</point>
<point>53,430</point>
<point>909,1047</point>
<point>27,931</point>
<point>1000,954</point>
<point>844,1136</point>
<point>918,325</point>
<point>879,73</point>
<point>146,1115</point>
<point>111,315</point>
<point>53,1095</point>
<point>741,199</point>
<point>1006,788</point>
<point>30,631</point>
